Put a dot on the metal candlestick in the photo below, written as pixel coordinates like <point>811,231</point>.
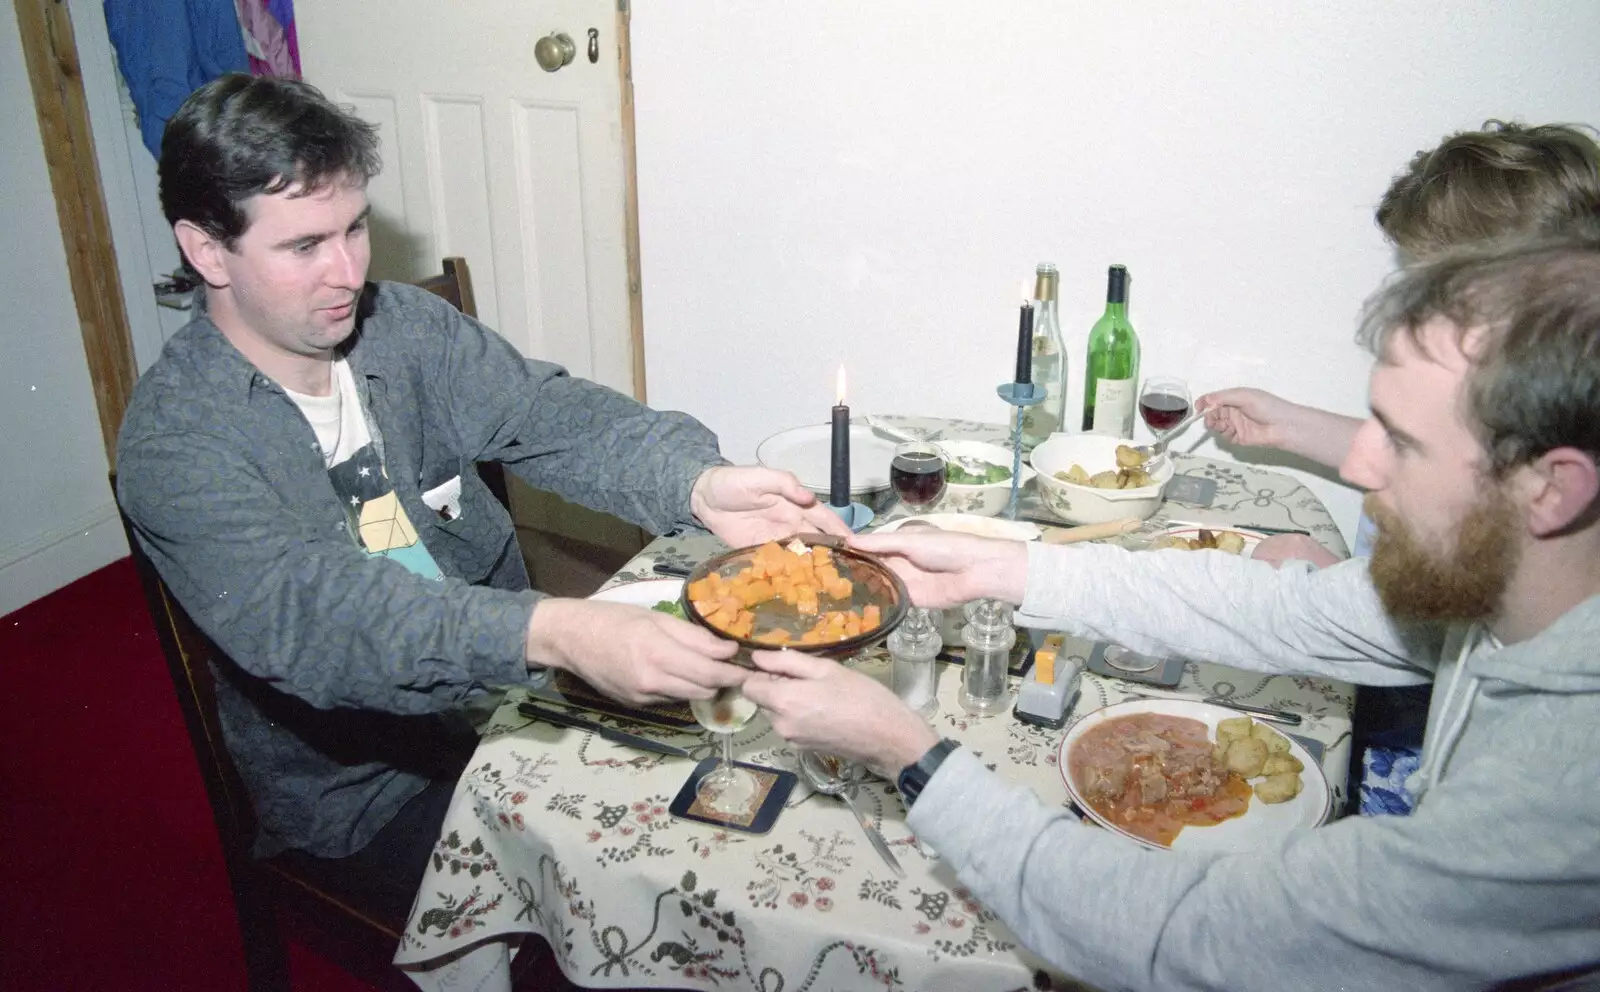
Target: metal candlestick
<point>1020,395</point>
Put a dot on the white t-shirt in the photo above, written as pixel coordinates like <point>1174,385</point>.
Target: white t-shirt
<point>337,418</point>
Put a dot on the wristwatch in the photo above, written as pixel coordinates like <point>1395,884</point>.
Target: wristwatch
<point>914,777</point>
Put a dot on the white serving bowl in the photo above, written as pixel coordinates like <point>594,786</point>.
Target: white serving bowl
<point>1085,504</point>
<point>986,500</point>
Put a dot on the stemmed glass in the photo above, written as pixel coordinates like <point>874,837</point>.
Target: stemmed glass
<point>917,474</point>
<point>1164,405</point>
<point>726,788</point>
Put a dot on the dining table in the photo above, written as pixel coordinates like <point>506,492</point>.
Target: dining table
<point>560,833</point>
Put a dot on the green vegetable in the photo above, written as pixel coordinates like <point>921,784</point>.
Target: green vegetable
<point>671,606</point>
<point>961,477</point>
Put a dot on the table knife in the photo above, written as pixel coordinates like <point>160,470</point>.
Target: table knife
<point>677,571</point>
<point>611,734</point>
<point>881,845</point>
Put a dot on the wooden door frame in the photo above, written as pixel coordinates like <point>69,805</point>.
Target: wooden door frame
<point>51,51</point>
<point>630,187</point>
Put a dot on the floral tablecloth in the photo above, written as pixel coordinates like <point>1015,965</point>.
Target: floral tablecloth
<point>560,833</point>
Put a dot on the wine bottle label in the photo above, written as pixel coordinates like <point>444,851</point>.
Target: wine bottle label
<point>1113,407</point>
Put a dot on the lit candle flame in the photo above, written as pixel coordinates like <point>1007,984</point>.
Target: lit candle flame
<point>838,388</point>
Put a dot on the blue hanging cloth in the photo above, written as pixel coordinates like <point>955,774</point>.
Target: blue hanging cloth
<point>167,49</point>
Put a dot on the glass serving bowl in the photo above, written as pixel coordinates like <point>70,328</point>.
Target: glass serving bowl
<point>872,583</point>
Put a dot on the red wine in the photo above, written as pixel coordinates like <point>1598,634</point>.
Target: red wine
<point>1163,411</point>
<point>918,477</point>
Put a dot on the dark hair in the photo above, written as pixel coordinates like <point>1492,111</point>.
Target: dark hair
<point>239,136</point>
<point>1508,179</point>
<point>1528,316</point>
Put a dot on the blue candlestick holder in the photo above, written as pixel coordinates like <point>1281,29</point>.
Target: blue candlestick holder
<point>1020,395</point>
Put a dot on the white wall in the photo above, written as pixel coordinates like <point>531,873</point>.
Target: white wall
<point>871,183</point>
<point>59,522</point>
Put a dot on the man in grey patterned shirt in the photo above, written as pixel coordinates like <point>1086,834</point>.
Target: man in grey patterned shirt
<point>299,466</point>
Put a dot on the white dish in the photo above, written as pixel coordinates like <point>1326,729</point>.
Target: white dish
<point>1079,504</point>
<point>1191,532</point>
<point>646,593</point>
<point>966,523</point>
<point>1260,825</point>
<point>984,499</point>
<point>808,453</point>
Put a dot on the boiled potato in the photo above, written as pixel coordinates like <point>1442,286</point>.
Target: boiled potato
<point>1231,542</point>
<point>1135,478</point>
<point>1281,764</point>
<point>1279,788</point>
<point>1105,480</point>
<point>1246,756</point>
<point>1276,743</point>
<point>1171,541</point>
<point>1075,475</point>
<point>1129,457</point>
<point>1232,729</point>
<point>1219,752</point>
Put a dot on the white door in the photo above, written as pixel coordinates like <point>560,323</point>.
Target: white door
<point>487,156</point>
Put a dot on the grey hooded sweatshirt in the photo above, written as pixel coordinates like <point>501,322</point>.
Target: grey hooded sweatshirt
<point>1496,875</point>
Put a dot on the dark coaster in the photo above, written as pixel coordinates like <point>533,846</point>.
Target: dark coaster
<point>573,691</point>
<point>1192,489</point>
<point>1020,661</point>
<point>1164,673</point>
<point>771,794</point>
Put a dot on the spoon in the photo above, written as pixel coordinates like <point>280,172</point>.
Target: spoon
<point>968,463</point>
<point>1155,452</point>
<point>833,776</point>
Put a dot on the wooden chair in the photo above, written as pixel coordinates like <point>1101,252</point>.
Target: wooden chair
<point>359,937</point>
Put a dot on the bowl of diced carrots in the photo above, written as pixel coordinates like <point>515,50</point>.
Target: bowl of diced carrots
<point>808,594</point>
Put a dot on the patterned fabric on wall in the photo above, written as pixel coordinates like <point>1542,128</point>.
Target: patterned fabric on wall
<point>268,27</point>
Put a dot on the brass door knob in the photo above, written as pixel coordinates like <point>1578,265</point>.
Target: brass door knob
<point>554,51</point>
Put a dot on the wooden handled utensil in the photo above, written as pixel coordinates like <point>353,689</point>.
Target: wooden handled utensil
<point>1090,532</point>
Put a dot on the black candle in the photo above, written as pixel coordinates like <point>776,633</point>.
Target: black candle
<point>839,465</point>
<point>1025,345</point>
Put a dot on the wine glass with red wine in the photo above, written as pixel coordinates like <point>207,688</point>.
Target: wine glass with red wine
<point>917,474</point>
<point>1164,404</point>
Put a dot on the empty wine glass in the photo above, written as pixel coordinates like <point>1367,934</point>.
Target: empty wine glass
<point>917,474</point>
<point>1164,404</point>
<point>726,788</point>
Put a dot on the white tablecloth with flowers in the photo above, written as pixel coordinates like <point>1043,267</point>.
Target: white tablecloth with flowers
<point>560,833</point>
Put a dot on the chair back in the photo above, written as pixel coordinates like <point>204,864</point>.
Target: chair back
<point>189,653</point>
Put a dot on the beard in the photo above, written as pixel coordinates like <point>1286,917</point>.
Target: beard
<point>1464,582</point>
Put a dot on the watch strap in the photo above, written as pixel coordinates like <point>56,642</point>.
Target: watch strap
<point>914,777</point>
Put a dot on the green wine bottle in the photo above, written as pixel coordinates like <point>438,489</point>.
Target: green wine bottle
<point>1111,374</point>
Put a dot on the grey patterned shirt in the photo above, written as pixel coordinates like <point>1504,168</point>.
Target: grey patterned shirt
<point>341,663</point>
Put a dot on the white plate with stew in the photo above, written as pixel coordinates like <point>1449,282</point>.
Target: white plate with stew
<point>1090,749</point>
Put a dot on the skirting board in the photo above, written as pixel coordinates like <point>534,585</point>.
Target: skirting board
<point>44,564</point>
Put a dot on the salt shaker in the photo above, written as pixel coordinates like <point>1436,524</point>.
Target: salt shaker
<point>913,646</point>
<point>989,637</point>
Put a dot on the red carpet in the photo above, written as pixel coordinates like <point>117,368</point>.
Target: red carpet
<point>112,875</point>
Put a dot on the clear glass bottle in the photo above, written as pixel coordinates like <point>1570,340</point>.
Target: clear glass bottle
<point>1049,362</point>
<point>985,684</point>
<point>913,648</point>
<point>1111,374</point>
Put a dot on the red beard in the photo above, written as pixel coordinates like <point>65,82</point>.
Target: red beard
<point>1461,583</point>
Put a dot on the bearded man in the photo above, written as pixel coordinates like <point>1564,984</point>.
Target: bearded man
<point>1480,462</point>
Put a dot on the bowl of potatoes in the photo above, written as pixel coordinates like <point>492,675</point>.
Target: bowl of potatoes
<point>1094,478</point>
